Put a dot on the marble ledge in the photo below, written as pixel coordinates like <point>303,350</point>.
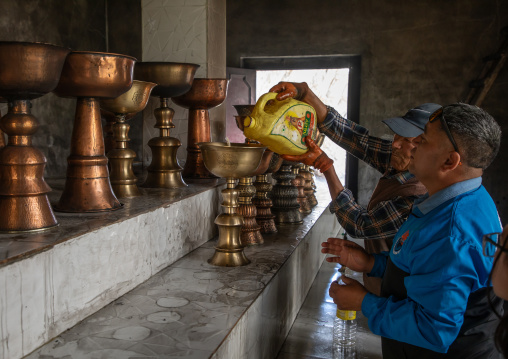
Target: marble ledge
<point>192,309</point>
<point>17,246</point>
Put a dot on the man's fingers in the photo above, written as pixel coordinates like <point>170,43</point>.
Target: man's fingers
<point>333,260</point>
<point>347,280</point>
<point>294,158</point>
<point>310,143</point>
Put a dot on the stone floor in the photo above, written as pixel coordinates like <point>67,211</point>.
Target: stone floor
<point>311,334</point>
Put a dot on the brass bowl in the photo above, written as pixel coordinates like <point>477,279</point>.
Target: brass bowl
<point>275,163</point>
<point>132,101</point>
<point>95,75</point>
<point>172,78</point>
<point>234,161</point>
<point>204,94</point>
<point>265,163</point>
<point>29,70</point>
<point>244,110</point>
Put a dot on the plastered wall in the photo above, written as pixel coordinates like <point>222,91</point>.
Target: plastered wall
<point>412,52</point>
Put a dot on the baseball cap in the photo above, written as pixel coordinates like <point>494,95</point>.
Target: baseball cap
<point>413,122</point>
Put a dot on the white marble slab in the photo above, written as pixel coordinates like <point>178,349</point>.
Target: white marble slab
<point>195,310</point>
<point>91,260</point>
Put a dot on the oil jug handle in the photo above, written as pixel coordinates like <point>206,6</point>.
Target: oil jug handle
<point>260,105</point>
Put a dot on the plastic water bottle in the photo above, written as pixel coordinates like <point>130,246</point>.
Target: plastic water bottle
<point>344,328</point>
<point>344,334</point>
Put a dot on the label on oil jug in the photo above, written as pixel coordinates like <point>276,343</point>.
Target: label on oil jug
<point>296,123</point>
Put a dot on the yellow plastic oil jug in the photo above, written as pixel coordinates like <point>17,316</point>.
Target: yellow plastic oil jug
<point>281,125</point>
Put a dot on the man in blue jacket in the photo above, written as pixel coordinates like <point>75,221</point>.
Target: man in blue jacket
<point>433,301</point>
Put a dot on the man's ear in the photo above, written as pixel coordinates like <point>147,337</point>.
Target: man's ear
<point>451,162</point>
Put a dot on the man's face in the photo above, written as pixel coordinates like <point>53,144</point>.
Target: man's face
<point>500,271</point>
<point>401,152</point>
<point>431,150</point>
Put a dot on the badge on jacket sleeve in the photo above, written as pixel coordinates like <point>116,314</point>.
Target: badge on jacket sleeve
<point>399,242</point>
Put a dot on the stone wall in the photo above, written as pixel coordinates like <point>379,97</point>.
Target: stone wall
<point>412,52</point>
<point>98,25</point>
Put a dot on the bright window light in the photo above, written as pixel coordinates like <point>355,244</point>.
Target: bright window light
<point>330,85</point>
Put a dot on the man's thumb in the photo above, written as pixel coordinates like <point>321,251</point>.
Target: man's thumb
<point>347,280</point>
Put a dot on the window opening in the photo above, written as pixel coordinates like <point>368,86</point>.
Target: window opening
<point>330,85</point>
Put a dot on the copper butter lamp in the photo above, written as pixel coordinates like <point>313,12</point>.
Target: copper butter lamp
<point>121,157</point>
<point>90,76</point>
<point>27,71</point>
<point>231,161</point>
<point>173,79</point>
<point>203,95</point>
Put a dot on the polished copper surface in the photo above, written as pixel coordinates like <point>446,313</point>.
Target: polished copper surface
<point>173,79</point>
<point>121,158</point>
<point>251,230</point>
<point>95,75</point>
<point>90,76</point>
<point>308,189</point>
<point>299,183</point>
<point>250,233</point>
<point>27,71</point>
<point>265,217</point>
<point>275,163</point>
<point>244,110</point>
<point>311,195</point>
<point>2,136</point>
<point>203,95</point>
<point>230,161</point>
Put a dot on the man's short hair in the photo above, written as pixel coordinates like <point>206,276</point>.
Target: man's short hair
<point>477,133</point>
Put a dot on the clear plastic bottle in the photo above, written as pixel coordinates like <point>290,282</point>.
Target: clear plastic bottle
<point>344,328</point>
<point>344,335</point>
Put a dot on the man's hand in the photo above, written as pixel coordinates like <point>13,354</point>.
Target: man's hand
<point>313,157</point>
<point>302,92</point>
<point>348,296</point>
<point>295,90</point>
<point>348,254</point>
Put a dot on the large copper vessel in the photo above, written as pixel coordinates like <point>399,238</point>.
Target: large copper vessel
<point>203,95</point>
<point>121,157</point>
<point>173,79</point>
<point>27,71</point>
<point>90,76</point>
<point>231,161</point>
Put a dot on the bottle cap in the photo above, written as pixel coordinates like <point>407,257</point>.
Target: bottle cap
<point>248,121</point>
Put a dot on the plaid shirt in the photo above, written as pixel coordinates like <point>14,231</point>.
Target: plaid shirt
<point>384,220</point>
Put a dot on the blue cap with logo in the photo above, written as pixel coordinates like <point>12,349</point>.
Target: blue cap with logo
<point>412,124</point>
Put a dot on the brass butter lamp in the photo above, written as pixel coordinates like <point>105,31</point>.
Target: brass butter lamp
<point>173,79</point>
<point>90,76</point>
<point>262,202</point>
<point>232,162</point>
<point>27,71</point>
<point>203,95</point>
<point>121,157</point>
<point>251,230</point>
